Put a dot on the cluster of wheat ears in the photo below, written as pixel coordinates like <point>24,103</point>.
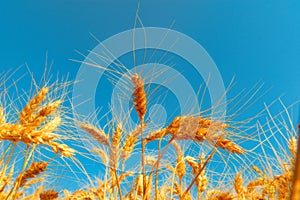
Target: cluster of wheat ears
<point>36,127</point>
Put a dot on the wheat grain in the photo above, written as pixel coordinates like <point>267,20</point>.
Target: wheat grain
<point>229,145</point>
<point>256,169</point>
<point>156,135</point>
<point>238,185</point>
<point>128,147</point>
<point>65,150</point>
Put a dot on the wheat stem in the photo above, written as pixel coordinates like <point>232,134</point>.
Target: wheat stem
<point>157,170</point>
<point>22,171</point>
<point>155,166</point>
<point>199,173</point>
<point>118,183</point>
<point>6,165</point>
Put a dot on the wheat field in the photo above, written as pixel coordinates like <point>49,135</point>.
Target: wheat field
<point>38,136</point>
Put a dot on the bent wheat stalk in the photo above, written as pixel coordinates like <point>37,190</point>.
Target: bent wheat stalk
<point>199,173</point>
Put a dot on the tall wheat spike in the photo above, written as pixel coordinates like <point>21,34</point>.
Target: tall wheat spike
<point>139,94</point>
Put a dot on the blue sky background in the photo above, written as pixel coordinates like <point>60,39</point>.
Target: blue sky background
<point>255,40</point>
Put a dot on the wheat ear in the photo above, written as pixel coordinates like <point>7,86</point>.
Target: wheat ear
<point>98,134</point>
<point>33,170</point>
<point>49,195</point>
<point>32,105</point>
<point>238,185</point>
<point>139,94</point>
<point>130,141</point>
<point>37,120</point>
<point>229,145</point>
<point>180,164</point>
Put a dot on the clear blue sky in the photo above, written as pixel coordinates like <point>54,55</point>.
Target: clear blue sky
<point>253,40</point>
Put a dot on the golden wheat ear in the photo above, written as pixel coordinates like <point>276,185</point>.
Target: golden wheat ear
<point>49,195</point>
<point>139,94</point>
<point>295,194</point>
